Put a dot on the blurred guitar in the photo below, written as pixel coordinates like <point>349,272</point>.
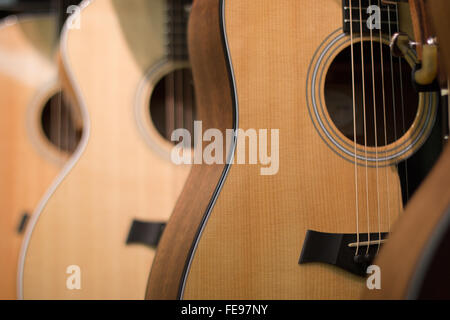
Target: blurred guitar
<point>97,229</point>
<point>38,129</point>
<point>309,225</point>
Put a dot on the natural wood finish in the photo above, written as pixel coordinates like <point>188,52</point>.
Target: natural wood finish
<point>26,68</point>
<point>252,241</point>
<point>118,177</point>
<point>400,256</point>
<point>207,55</point>
<point>426,210</point>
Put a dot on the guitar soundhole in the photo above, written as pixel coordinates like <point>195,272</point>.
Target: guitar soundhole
<point>393,117</point>
<point>58,124</point>
<point>172,104</point>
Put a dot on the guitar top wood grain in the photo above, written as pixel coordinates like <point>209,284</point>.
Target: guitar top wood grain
<point>117,177</point>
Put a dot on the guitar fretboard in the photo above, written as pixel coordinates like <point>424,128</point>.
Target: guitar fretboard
<point>176,28</point>
<point>388,16</point>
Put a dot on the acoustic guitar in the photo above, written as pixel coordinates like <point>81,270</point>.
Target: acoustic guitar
<point>321,77</point>
<point>38,129</point>
<point>422,236</point>
<point>96,230</point>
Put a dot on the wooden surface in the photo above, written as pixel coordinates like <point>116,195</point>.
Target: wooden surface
<point>27,72</point>
<point>426,210</point>
<point>117,177</point>
<point>207,55</point>
<point>250,246</point>
<point>252,242</point>
<point>419,17</point>
<point>401,255</point>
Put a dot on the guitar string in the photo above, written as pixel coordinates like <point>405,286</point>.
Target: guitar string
<point>72,126</point>
<point>189,109</point>
<point>394,98</point>
<point>173,73</point>
<point>174,77</point>
<point>365,123</point>
<point>170,109</point>
<point>73,132</point>
<point>63,119</point>
<point>68,141</point>
<point>52,105</point>
<point>402,105</point>
<point>53,115</point>
<point>64,112</point>
<point>170,113</point>
<point>53,121</point>
<point>394,101</point>
<point>66,126</point>
<point>376,134</point>
<point>178,80</point>
<point>354,126</point>
<point>182,71</point>
<point>181,97</point>
<point>384,122</point>
<point>59,8</point>
<point>184,96</point>
<point>183,105</point>
<point>180,13</point>
<point>188,74</point>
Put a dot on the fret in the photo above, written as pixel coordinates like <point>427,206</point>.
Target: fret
<point>357,20</point>
<point>177,14</point>
<point>388,16</point>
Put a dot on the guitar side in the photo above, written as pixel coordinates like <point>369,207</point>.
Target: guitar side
<point>246,240</point>
<point>421,236</point>
<point>416,238</point>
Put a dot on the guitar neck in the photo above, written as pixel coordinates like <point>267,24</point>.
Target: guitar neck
<point>176,26</point>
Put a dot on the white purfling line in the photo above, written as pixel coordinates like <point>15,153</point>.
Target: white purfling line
<point>70,164</point>
<point>229,162</point>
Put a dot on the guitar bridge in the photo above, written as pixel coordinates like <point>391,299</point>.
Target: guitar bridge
<point>342,250</point>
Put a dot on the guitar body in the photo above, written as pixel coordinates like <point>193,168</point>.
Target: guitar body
<point>117,175</point>
<point>422,241</point>
<point>422,236</point>
<point>246,231</point>
<point>28,162</point>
